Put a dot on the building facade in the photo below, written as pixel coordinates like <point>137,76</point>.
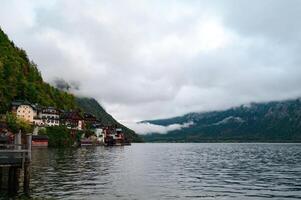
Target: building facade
<point>24,110</point>
<point>49,116</point>
<point>73,120</point>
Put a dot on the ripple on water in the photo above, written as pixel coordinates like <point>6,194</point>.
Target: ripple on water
<point>169,171</point>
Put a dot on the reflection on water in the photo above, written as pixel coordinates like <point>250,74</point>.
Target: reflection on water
<point>169,171</point>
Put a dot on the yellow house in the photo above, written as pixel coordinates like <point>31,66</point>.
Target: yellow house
<point>24,110</point>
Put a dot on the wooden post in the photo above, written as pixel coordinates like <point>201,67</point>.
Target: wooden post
<point>26,178</point>
<point>18,140</point>
<point>27,167</point>
<point>10,184</point>
<point>29,141</point>
<point>16,179</point>
<point>1,175</point>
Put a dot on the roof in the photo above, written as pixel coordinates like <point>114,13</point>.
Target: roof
<point>23,102</point>
<point>72,115</point>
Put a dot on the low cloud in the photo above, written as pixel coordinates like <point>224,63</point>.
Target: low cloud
<point>156,59</point>
<point>147,128</point>
<point>66,86</point>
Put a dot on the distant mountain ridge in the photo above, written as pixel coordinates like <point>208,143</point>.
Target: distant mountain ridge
<point>277,121</point>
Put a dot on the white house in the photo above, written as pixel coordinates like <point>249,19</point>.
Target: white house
<point>49,116</point>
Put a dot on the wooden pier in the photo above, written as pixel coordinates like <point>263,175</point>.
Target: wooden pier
<point>14,159</point>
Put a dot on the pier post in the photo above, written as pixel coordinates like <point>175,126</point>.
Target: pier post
<point>18,141</point>
<point>27,167</point>
<point>1,175</point>
<point>13,180</point>
<point>16,179</point>
<point>10,183</point>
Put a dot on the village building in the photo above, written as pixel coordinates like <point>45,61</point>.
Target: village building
<point>100,134</point>
<point>90,121</point>
<point>49,117</point>
<point>24,110</point>
<point>110,136</point>
<point>89,118</point>
<point>119,136</point>
<point>73,120</point>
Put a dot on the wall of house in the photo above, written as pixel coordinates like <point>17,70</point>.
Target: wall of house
<point>26,112</point>
<point>50,119</point>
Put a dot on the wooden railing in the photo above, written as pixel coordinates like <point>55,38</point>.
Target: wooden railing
<point>13,155</point>
<point>16,156</point>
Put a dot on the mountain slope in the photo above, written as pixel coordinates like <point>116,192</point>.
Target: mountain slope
<point>21,79</point>
<point>90,105</point>
<point>270,122</point>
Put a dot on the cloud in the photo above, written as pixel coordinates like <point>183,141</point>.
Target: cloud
<point>147,128</point>
<point>64,85</point>
<point>156,59</point>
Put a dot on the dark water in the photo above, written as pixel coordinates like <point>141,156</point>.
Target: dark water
<point>169,171</point>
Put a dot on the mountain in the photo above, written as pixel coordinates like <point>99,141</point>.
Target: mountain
<point>20,79</point>
<point>90,105</point>
<point>278,121</point>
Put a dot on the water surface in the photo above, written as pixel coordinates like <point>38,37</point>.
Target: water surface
<point>169,171</point>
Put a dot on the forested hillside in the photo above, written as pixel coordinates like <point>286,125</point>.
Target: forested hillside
<point>90,105</point>
<point>258,122</point>
<point>21,79</point>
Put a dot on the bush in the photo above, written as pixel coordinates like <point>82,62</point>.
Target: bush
<point>59,136</point>
<point>15,124</point>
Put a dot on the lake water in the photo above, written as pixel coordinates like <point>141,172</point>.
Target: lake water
<point>169,171</point>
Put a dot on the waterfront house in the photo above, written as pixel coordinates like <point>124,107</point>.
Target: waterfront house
<point>112,136</point>
<point>89,118</point>
<point>24,110</point>
<point>119,136</point>
<point>72,119</point>
<point>49,116</point>
<point>100,134</point>
<point>90,121</point>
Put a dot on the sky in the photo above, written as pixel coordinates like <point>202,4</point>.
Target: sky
<point>156,59</point>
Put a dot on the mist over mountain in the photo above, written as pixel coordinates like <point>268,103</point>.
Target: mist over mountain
<point>277,121</point>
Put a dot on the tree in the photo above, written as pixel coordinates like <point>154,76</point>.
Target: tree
<point>15,124</point>
<point>59,136</point>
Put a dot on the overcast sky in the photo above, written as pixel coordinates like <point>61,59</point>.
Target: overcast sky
<point>156,59</point>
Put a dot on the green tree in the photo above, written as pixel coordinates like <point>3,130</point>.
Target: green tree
<point>15,124</point>
<point>59,136</point>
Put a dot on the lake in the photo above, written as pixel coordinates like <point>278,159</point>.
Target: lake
<point>169,171</point>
